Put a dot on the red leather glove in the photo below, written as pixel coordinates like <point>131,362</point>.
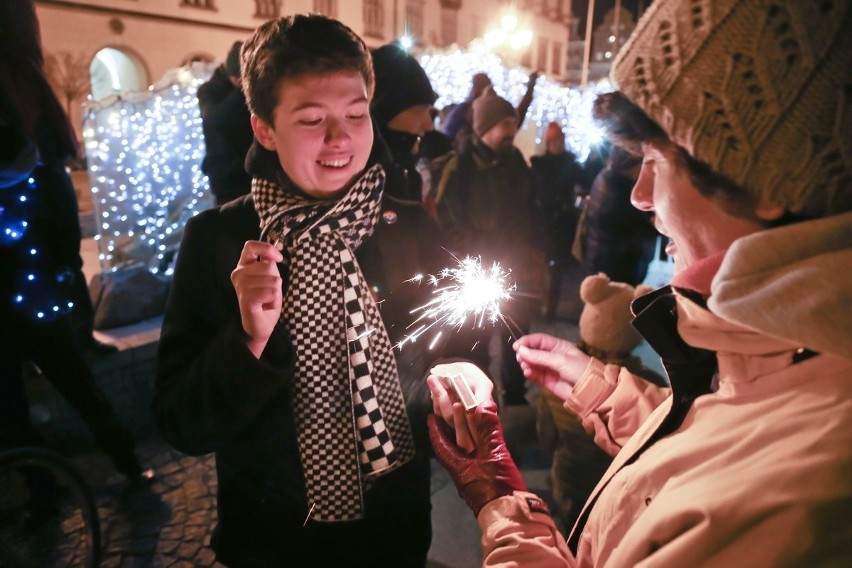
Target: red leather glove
<point>486,473</point>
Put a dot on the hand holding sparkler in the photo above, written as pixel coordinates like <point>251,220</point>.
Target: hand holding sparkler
<point>257,283</point>
<point>554,363</point>
<point>456,388</point>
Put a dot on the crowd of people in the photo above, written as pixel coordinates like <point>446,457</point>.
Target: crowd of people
<point>278,351</point>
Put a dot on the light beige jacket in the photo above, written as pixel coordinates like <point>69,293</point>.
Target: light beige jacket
<point>760,471</point>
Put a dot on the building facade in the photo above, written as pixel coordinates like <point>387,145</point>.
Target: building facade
<point>97,48</point>
<point>607,38</point>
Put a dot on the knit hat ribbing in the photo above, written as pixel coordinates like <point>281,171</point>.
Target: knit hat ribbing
<point>489,108</point>
<point>757,89</point>
<point>401,83</point>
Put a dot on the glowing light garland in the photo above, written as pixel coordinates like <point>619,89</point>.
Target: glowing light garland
<point>38,288</point>
<point>144,153</point>
<point>450,73</point>
<point>467,293</point>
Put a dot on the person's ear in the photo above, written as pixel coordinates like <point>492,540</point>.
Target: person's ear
<point>768,211</point>
<point>263,132</point>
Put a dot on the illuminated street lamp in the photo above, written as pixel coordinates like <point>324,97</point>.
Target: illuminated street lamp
<point>406,42</point>
<point>508,35</point>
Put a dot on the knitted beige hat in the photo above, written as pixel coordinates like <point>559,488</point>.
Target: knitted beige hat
<point>489,108</point>
<point>761,90</point>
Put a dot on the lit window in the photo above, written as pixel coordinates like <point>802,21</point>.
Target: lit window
<point>374,18</point>
<point>414,18</point>
<point>449,25</point>
<point>267,9</point>
<point>208,4</point>
<point>327,7</point>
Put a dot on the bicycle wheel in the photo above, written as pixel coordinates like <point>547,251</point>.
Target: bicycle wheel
<point>48,517</point>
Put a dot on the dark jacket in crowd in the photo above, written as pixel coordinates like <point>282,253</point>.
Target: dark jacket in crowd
<point>554,177</point>
<point>618,239</point>
<point>214,90</point>
<point>402,172</point>
<point>227,137</point>
<point>213,395</point>
<point>484,205</point>
<point>41,284</point>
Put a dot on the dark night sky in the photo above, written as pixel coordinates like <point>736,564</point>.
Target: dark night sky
<point>581,7</point>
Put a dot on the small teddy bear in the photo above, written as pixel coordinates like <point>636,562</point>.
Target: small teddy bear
<point>605,330</point>
<point>605,334</point>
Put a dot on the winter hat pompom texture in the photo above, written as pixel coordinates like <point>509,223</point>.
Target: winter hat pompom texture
<point>401,83</point>
<point>757,89</point>
<point>605,320</point>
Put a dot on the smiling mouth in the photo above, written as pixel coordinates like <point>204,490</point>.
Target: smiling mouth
<point>335,164</point>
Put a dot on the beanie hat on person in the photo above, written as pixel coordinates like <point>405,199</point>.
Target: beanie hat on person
<point>479,83</point>
<point>757,89</point>
<point>401,83</point>
<point>232,62</point>
<point>488,109</point>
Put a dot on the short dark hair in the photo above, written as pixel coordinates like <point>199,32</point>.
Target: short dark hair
<point>293,46</point>
<point>628,127</point>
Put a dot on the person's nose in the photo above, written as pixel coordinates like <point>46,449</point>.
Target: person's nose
<point>642,195</point>
<point>336,131</point>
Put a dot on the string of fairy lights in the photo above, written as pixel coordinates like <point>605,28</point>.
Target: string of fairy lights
<point>144,154</point>
<point>38,288</point>
<point>450,73</point>
<point>144,150</point>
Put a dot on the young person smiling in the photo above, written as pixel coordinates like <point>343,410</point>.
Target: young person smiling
<point>274,354</point>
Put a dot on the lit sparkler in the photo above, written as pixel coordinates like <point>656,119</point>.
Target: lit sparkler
<point>469,292</point>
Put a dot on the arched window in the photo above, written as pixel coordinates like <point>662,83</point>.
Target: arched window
<point>114,71</point>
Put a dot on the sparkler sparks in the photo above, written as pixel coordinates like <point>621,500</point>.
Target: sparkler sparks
<point>468,293</point>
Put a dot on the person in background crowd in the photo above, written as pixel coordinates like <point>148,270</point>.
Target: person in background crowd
<point>274,353</point>
<point>484,207</point>
<point>459,123</point>
<point>226,122</point>
<point>23,77</point>
<point>42,284</point>
<point>402,109</point>
<point>555,177</point>
<point>224,80</point>
<point>614,237</point>
<point>747,166</point>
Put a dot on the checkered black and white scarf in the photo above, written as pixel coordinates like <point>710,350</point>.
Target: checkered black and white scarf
<point>350,412</point>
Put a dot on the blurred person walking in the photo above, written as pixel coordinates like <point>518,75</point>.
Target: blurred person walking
<point>42,284</point>
<point>556,177</point>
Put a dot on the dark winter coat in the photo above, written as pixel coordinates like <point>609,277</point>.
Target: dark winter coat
<point>484,205</point>
<point>617,236</point>
<point>227,138</point>
<point>553,193</point>
<point>212,395</point>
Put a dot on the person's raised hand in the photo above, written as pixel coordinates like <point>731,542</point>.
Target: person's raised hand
<point>257,283</point>
<point>554,363</point>
<point>488,472</point>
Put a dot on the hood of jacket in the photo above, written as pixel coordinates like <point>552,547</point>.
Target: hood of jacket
<point>793,283</point>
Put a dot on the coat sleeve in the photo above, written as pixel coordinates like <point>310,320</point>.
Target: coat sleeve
<point>517,531</point>
<point>209,386</point>
<point>612,403</point>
